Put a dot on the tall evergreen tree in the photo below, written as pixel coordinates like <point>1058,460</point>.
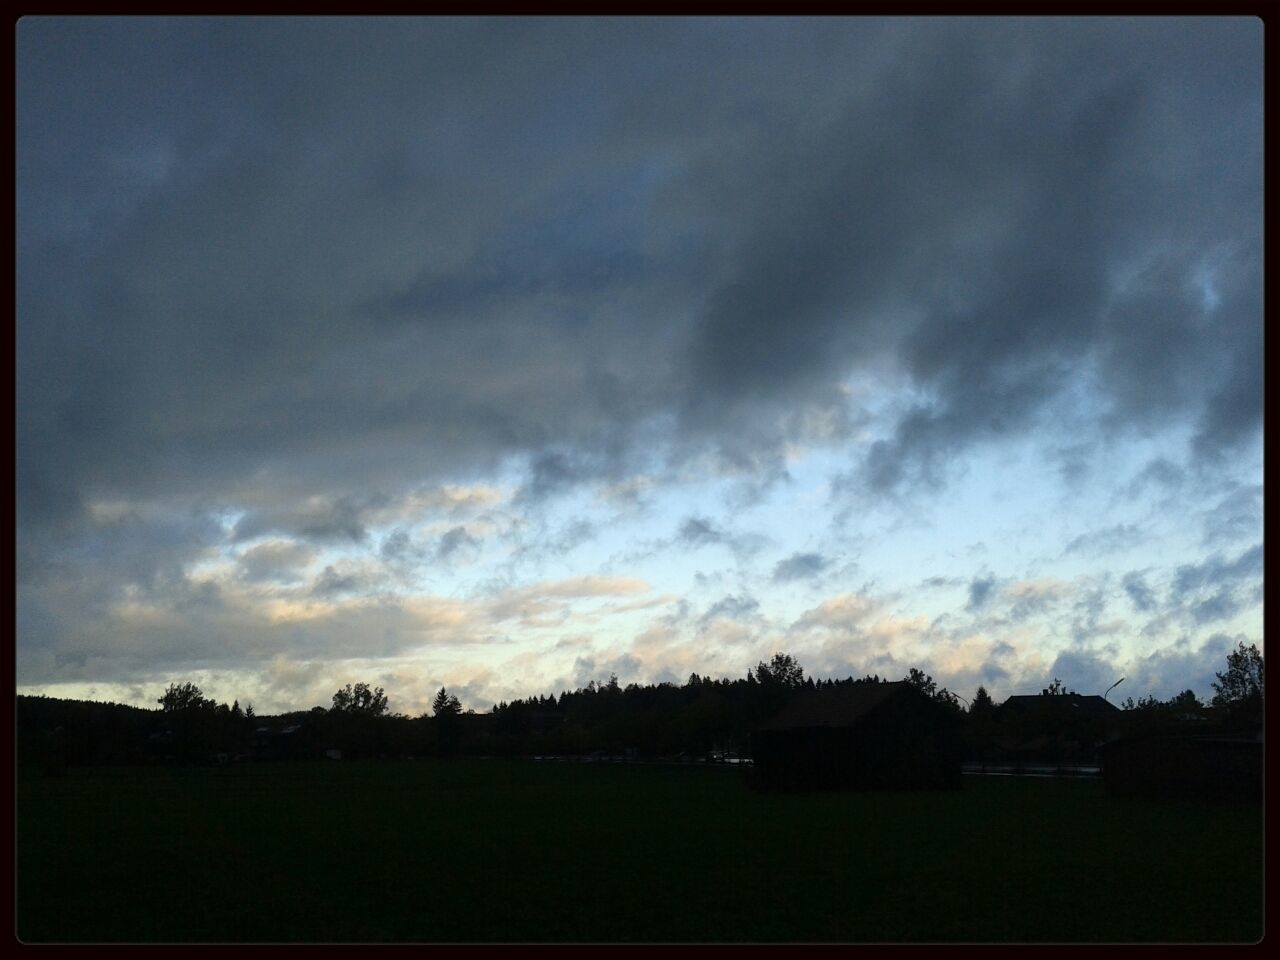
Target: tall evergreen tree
<point>445,704</point>
<point>983,705</point>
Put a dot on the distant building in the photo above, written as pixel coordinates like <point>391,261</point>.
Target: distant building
<point>1066,705</point>
<point>161,746</point>
<point>1055,727</point>
<point>860,736</point>
<point>293,742</point>
<point>1179,765</point>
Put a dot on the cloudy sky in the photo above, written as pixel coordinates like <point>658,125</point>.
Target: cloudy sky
<point>508,354</point>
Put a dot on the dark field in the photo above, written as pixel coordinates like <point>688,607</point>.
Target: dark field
<point>517,851</point>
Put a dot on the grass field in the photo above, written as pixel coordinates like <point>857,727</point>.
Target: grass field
<point>478,851</point>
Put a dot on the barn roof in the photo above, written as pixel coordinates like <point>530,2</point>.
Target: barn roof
<point>838,706</point>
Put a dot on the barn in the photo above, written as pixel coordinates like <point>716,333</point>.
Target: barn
<point>860,736</point>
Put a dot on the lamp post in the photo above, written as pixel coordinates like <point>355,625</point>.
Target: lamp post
<point>1112,687</point>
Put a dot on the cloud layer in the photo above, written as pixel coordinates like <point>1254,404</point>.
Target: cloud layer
<point>289,288</point>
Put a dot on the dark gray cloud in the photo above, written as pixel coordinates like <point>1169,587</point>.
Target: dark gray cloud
<point>1232,413</point>
<point>572,534</point>
<point>1108,540</point>
<point>733,608</point>
<point>398,546</point>
<point>1166,672</point>
<point>332,583</point>
<point>408,556</point>
<point>1075,462</point>
<point>537,259</point>
<point>1219,587</point>
<point>980,590</point>
<point>1218,570</point>
<point>552,472</point>
<point>1006,349</point>
<point>329,520</point>
<point>700,532</point>
<point>696,532</point>
<point>1033,600</point>
<point>1161,473</point>
<point>541,540</point>
<point>1222,605</point>
<point>1237,516</point>
<point>121,553</point>
<point>454,540</point>
<point>992,672</point>
<point>276,560</point>
<point>1140,594</point>
<point>1087,611</point>
<point>800,566</point>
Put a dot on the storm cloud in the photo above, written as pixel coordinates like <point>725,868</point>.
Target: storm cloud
<point>267,309</point>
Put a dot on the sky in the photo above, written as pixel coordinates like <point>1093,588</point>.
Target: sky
<point>509,354</point>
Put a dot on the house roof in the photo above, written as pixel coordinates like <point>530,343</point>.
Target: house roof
<point>1085,705</point>
<point>839,706</point>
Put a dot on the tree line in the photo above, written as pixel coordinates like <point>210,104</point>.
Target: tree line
<point>703,716</point>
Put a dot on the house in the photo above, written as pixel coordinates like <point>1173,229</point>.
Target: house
<point>860,736</point>
<point>1182,765</point>
<point>1060,727</point>
<point>1065,705</point>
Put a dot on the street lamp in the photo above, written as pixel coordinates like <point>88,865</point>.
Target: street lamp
<point>1112,687</point>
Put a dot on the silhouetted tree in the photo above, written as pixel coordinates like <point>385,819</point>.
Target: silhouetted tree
<point>776,683</point>
<point>447,710</point>
<point>1151,715</point>
<point>983,706</point>
<point>1055,689</point>
<point>357,721</point>
<point>929,687</point>
<point>445,704</point>
<point>922,682</point>
<point>199,725</point>
<point>783,670</point>
<point>1186,703</point>
<point>182,697</point>
<point>1238,691</point>
<point>360,699</point>
<point>981,728</point>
